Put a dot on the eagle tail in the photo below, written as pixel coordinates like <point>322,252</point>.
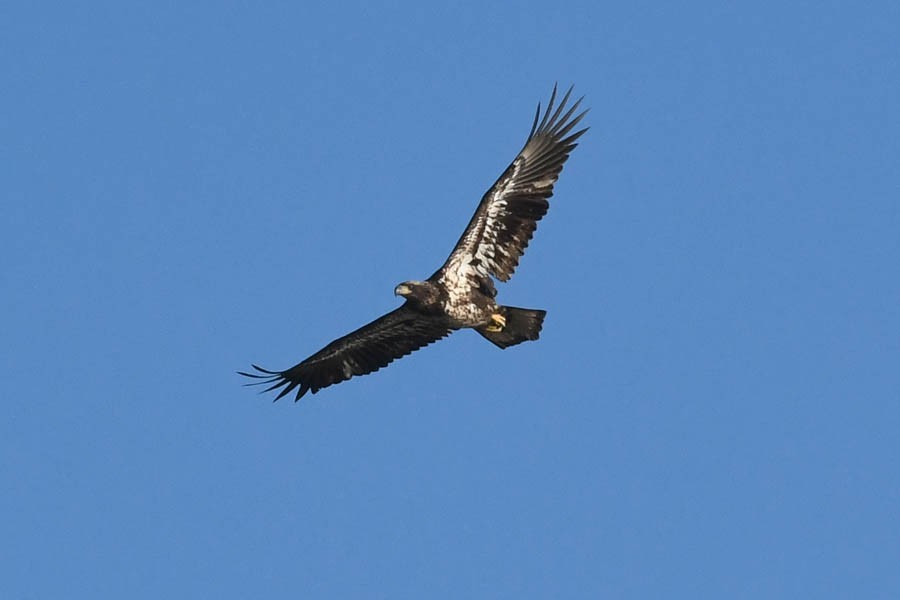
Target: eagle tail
<point>521,325</point>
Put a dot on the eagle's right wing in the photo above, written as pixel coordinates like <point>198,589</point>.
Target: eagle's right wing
<point>508,214</point>
<point>363,351</point>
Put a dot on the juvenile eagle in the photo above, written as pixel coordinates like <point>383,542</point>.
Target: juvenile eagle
<point>461,293</point>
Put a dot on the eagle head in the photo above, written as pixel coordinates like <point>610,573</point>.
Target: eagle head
<point>407,288</point>
<point>421,292</point>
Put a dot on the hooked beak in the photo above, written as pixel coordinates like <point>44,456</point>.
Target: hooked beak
<point>402,290</point>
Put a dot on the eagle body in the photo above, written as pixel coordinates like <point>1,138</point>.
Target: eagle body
<point>459,310</point>
<point>461,293</point>
<point>472,310</point>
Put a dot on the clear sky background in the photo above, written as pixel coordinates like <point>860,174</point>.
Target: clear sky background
<point>712,410</point>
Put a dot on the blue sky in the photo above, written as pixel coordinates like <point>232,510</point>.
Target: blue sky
<point>712,409</point>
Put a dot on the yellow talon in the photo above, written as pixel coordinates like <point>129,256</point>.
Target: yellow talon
<point>498,322</point>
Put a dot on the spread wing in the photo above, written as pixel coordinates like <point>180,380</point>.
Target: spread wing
<point>504,222</point>
<point>365,350</point>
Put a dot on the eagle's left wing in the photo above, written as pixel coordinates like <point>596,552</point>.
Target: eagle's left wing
<point>504,222</point>
<point>367,349</point>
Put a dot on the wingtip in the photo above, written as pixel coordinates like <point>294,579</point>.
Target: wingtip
<point>553,119</point>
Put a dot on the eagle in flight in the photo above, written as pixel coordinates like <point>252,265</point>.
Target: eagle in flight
<point>461,294</point>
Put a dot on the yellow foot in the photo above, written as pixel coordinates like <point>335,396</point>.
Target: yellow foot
<point>498,322</point>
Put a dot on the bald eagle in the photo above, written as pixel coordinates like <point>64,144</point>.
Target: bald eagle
<point>461,294</point>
